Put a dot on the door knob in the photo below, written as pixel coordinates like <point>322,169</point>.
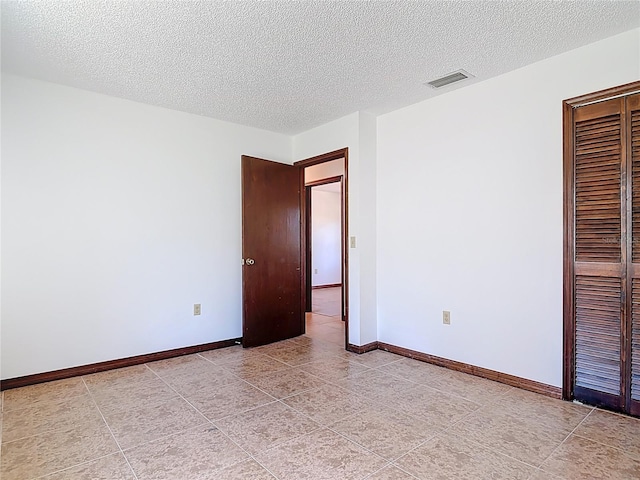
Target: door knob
<point>250,261</point>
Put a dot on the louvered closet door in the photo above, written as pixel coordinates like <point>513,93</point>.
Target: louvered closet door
<point>633,331</point>
<point>600,252</point>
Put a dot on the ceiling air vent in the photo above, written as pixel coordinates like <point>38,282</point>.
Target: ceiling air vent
<point>449,79</point>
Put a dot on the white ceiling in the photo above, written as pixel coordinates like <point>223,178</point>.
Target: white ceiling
<point>290,66</point>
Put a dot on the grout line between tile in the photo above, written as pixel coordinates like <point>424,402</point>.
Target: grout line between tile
<point>250,455</point>
<point>605,445</point>
<point>565,439</point>
<point>448,430</point>
<point>109,427</point>
<point>78,465</point>
<point>391,464</point>
<point>357,443</point>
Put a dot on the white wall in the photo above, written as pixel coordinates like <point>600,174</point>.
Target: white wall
<point>367,180</point>
<point>470,213</point>
<point>326,248</point>
<point>117,218</point>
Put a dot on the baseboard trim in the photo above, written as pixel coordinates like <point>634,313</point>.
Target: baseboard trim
<point>360,349</point>
<point>525,384</point>
<point>330,285</point>
<point>512,380</point>
<point>111,364</point>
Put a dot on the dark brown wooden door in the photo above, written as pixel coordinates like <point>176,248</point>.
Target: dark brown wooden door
<point>604,231</point>
<point>271,250</point>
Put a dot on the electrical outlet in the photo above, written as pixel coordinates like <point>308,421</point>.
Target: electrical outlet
<point>353,242</point>
<point>196,309</point>
<point>446,317</point>
<point>315,270</point>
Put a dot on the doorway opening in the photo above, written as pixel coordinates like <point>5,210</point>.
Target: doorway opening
<point>324,317</point>
<point>324,189</point>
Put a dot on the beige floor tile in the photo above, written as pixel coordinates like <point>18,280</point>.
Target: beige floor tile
<point>415,370</point>
<point>374,383</point>
<point>377,358</point>
<point>391,473</point>
<point>448,456</point>
<point>334,369</point>
<point>223,355</point>
<point>299,354</point>
<point>384,431</point>
<point>541,475</point>
<point>331,325</point>
<point>330,309</point>
<point>111,467</point>
<point>195,454</point>
<point>251,366</point>
<point>249,470</point>
<point>187,364</point>
<point>321,455</point>
<point>284,383</point>
<point>228,399</point>
<point>337,325</point>
<point>310,341</point>
<point>43,393</point>
<point>53,451</point>
<point>277,346</point>
<point>143,424</point>
<point>339,350</point>
<point>319,319</point>
<point>554,413</point>
<point>581,459</point>
<point>475,389</point>
<point>328,403</point>
<point>266,426</point>
<point>338,339</point>
<point>187,384</point>
<point>615,430</point>
<point>125,396</point>
<point>437,409</point>
<point>329,333</point>
<point>45,417</point>
<point>120,376</point>
<point>528,441</point>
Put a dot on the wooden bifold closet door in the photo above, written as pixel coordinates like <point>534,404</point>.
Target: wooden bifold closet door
<point>602,249</point>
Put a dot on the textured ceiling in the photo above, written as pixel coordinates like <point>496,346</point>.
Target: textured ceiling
<point>290,66</point>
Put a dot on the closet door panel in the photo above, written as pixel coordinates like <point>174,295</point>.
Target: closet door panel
<point>598,334</point>
<point>600,252</point>
<point>598,174</point>
<point>633,332</point>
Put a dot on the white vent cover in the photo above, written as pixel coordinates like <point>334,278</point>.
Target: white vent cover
<point>449,79</point>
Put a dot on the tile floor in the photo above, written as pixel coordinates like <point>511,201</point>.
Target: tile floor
<point>324,321</point>
<point>304,409</point>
